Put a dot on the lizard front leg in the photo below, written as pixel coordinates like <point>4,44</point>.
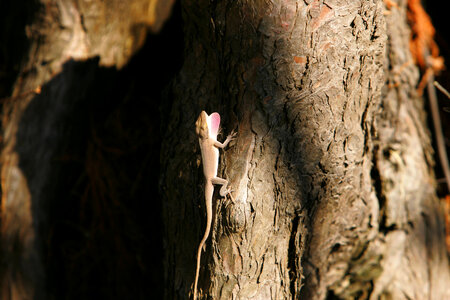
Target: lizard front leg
<point>229,138</point>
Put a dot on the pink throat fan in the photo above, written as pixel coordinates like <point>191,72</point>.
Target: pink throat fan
<point>215,123</point>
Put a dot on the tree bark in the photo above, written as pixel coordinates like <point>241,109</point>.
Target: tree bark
<point>332,169</point>
<point>65,91</point>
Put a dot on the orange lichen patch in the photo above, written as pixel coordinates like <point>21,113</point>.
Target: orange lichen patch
<point>390,4</point>
<point>422,44</point>
<point>322,17</point>
<point>437,64</point>
<point>447,221</point>
<point>300,59</point>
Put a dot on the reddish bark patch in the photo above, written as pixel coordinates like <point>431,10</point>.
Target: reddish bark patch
<point>300,59</point>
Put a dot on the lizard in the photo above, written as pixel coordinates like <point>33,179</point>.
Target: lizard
<point>207,128</point>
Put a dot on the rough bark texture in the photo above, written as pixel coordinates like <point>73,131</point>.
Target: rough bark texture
<point>411,222</point>
<point>331,170</point>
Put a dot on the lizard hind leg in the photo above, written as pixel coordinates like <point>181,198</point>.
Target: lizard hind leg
<point>224,190</point>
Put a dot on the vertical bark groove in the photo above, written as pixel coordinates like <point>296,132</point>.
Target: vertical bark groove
<point>329,160</point>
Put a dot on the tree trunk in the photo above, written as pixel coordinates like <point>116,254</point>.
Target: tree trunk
<point>77,150</point>
<point>332,169</point>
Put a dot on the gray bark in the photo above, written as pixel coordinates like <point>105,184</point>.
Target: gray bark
<point>332,167</point>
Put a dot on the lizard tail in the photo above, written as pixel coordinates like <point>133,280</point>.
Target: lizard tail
<point>209,190</point>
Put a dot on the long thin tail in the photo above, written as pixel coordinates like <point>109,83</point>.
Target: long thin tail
<point>199,254</point>
<point>209,189</point>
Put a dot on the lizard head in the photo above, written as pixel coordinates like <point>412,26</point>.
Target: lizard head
<point>207,126</point>
<point>201,126</point>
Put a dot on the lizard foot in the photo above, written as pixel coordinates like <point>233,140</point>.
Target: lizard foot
<point>224,192</point>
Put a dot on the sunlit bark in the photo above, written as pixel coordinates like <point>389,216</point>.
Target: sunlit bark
<point>331,170</point>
